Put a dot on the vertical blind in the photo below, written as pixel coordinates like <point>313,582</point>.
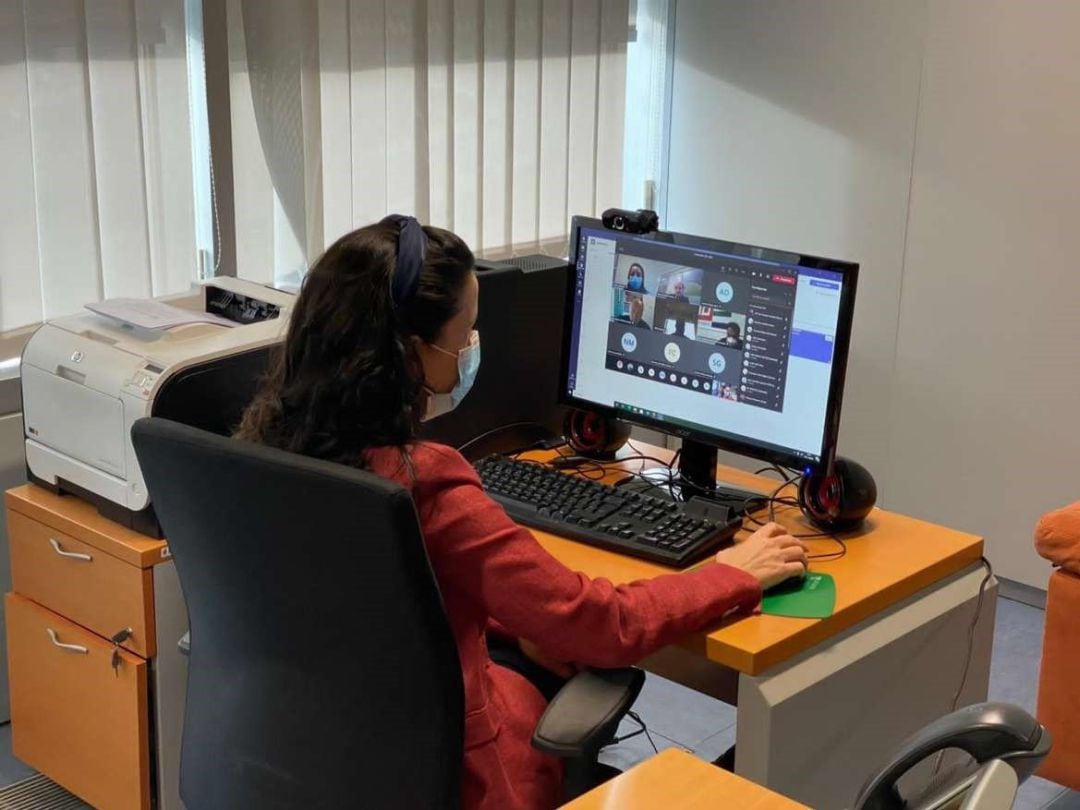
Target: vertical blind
<point>498,119</point>
<point>96,155</point>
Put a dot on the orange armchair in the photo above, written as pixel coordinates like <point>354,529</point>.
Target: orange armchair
<point>1057,538</point>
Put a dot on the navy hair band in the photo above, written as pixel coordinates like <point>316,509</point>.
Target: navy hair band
<point>411,247</point>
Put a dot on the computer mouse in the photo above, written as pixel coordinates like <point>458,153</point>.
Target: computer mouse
<point>792,584</point>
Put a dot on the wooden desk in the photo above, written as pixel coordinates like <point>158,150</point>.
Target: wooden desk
<point>675,780</point>
<point>892,558</point>
<point>821,703</point>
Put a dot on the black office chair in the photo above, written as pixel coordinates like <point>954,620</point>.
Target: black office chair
<point>322,670</point>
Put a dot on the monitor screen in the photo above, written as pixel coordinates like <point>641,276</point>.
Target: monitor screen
<point>741,347</point>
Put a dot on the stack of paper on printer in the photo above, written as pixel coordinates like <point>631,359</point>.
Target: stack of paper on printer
<point>150,314</point>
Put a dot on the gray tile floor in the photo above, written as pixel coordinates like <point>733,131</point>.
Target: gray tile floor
<point>678,717</point>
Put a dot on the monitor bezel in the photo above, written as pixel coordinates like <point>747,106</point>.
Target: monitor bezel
<point>784,456</point>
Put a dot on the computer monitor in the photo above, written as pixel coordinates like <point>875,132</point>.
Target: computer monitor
<point>726,345</point>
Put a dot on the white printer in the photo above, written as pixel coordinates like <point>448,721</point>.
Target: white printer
<point>87,378</point>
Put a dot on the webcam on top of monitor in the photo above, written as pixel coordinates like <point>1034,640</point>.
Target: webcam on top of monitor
<point>622,219</point>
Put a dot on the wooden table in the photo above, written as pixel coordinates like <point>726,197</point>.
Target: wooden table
<point>822,703</point>
<point>675,780</point>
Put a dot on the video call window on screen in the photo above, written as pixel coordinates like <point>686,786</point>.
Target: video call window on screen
<point>688,327</point>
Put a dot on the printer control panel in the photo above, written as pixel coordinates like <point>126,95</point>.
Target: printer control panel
<point>237,307</point>
<point>143,380</point>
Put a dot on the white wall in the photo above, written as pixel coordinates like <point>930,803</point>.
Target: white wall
<point>987,383</point>
<point>793,127</point>
<point>934,144</point>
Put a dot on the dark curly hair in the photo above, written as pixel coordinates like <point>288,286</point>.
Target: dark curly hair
<point>347,376</point>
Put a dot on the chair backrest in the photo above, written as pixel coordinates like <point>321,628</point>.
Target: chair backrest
<point>322,671</point>
<point>1003,745</point>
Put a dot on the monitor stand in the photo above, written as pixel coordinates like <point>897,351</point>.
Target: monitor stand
<point>696,476</point>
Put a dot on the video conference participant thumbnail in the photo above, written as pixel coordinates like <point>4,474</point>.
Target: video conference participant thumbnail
<point>682,284</point>
<point>674,317</point>
<point>721,326</point>
<point>633,308</point>
<point>635,275</point>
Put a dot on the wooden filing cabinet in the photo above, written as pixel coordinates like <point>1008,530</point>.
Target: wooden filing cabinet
<point>103,719</point>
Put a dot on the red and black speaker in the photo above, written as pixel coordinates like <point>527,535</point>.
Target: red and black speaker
<point>590,434</point>
<point>841,500</point>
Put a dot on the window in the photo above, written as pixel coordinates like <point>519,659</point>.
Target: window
<point>496,119</point>
<point>648,104</point>
<point>102,186</point>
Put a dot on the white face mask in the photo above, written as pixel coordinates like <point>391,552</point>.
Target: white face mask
<point>468,364</point>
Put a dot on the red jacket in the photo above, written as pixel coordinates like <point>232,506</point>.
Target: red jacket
<point>491,570</point>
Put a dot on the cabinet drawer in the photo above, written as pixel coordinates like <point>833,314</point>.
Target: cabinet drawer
<point>82,583</point>
<point>73,717</point>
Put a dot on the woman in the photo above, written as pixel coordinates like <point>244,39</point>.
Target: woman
<point>635,278</point>
<point>381,338</point>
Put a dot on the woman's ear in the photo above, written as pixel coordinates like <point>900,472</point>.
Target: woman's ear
<point>422,351</point>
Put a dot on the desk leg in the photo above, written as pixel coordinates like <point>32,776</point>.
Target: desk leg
<point>818,726</point>
<point>169,684</point>
<point>693,670</point>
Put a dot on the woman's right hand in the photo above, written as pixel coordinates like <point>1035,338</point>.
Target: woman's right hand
<point>770,554</point>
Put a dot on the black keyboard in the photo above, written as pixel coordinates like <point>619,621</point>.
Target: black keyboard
<point>635,523</point>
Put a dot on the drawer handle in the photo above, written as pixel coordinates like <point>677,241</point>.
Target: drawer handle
<point>75,648</point>
<point>71,555</point>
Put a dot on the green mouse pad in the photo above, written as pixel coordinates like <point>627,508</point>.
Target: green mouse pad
<point>815,599</point>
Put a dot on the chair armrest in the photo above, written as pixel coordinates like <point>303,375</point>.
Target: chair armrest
<point>184,644</point>
<point>584,715</point>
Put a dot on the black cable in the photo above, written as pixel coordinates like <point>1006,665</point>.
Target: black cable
<point>672,482</point>
<point>775,499</point>
<point>625,737</point>
<point>772,498</point>
<point>601,474</point>
<point>499,429</point>
<point>664,487</point>
<point>584,468</point>
<point>772,501</point>
<point>970,648</point>
<point>638,454</point>
<point>776,468</point>
<point>639,474</point>
<point>971,630</point>
<point>831,556</point>
<point>637,719</point>
<point>667,487</point>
